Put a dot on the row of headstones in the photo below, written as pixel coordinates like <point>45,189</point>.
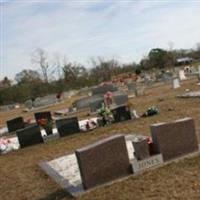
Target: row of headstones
<point>108,159</point>
<point>95,102</point>
<point>30,135</point>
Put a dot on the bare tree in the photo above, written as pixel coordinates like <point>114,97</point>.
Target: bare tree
<point>40,57</point>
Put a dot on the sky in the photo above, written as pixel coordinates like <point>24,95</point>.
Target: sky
<point>79,30</point>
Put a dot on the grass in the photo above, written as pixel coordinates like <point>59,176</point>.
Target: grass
<point>22,179</point>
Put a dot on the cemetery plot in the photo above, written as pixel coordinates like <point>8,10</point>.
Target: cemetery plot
<point>110,161</point>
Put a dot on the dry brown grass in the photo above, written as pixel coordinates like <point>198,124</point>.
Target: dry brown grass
<point>22,179</point>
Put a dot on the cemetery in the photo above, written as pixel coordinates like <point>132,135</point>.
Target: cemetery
<point>79,158</point>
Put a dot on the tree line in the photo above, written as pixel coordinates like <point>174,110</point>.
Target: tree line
<point>57,76</point>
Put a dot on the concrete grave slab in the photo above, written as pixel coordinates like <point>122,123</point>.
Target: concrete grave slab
<point>65,170</point>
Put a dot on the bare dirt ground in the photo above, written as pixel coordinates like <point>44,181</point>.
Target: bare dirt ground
<point>22,179</point>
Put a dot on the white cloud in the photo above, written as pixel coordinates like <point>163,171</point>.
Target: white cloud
<point>83,29</point>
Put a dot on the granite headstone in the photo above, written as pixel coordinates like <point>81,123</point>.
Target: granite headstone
<point>29,136</point>
<point>15,124</point>
<point>174,139</point>
<point>121,113</point>
<point>103,161</point>
<point>67,126</point>
<point>43,115</point>
<point>141,149</point>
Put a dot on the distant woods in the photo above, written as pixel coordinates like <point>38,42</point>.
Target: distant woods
<point>59,75</point>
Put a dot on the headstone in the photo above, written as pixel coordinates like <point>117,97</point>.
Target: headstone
<point>67,126</point>
<point>140,165</point>
<point>141,149</point>
<point>96,104</point>
<point>103,161</point>
<point>7,108</point>
<point>175,83</point>
<point>29,136</point>
<point>86,101</point>
<point>120,98</point>
<point>15,124</point>
<point>121,113</point>
<point>103,89</point>
<point>28,104</point>
<point>42,115</point>
<point>139,91</point>
<point>174,139</point>
<point>131,86</point>
<point>45,101</point>
<point>182,75</point>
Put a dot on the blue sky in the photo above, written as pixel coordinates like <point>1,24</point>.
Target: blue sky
<point>81,30</point>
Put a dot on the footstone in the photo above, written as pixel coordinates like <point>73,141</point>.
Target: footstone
<point>29,136</point>
<point>15,124</point>
<point>140,165</point>
<point>174,139</point>
<point>121,113</point>
<point>103,161</point>
<point>43,115</point>
<point>141,149</point>
<point>67,126</point>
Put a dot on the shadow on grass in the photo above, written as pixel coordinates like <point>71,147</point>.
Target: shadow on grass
<point>57,195</point>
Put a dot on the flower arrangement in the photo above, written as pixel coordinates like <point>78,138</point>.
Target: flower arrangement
<point>45,123</point>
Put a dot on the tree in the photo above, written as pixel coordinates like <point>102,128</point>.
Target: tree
<point>27,76</point>
<point>103,70</point>
<point>6,82</point>
<point>157,58</point>
<point>40,57</point>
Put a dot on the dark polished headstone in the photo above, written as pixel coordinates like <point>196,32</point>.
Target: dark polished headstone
<point>174,139</point>
<point>29,136</point>
<point>103,161</point>
<point>121,113</point>
<point>15,124</point>
<point>141,149</point>
<point>43,115</point>
<point>67,126</point>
